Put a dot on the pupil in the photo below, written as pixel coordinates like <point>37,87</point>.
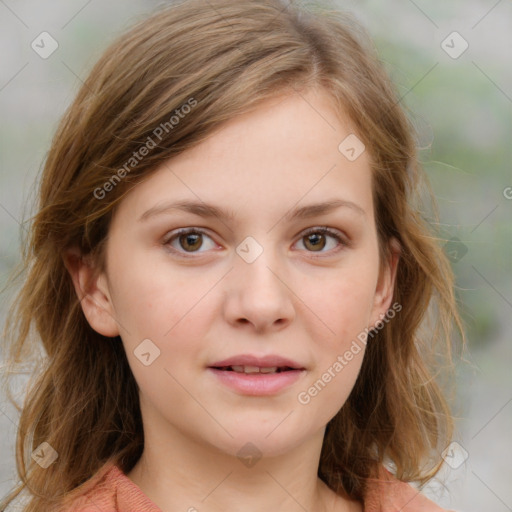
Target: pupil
<point>316,238</point>
<point>193,238</point>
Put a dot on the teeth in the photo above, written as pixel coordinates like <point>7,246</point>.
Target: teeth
<point>271,369</point>
<point>254,369</point>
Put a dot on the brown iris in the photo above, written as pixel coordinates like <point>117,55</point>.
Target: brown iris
<point>317,240</point>
<point>194,240</point>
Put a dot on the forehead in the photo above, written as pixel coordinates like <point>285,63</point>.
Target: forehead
<point>285,152</point>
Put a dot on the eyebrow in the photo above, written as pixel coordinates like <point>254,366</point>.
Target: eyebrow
<point>210,211</point>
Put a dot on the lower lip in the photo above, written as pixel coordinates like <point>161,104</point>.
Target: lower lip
<point>258,384</point>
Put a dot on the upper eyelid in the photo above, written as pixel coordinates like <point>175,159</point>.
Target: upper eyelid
<point>205,231</point>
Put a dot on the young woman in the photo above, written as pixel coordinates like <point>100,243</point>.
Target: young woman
<point>231,277</point>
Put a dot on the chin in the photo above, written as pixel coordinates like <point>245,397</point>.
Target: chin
<point>251,444</point>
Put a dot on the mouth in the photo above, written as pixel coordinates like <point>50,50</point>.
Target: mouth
<point>257,375</point>
<point>252,375</point>
<point>254,369</point>
<point>255,363</point>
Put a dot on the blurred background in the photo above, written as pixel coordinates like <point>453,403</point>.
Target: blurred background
<point>451,62</point>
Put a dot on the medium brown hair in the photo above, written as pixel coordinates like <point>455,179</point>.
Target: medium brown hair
<point>227,56</point>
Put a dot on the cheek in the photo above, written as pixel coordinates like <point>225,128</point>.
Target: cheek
<point>338,358</point>
<point>156,300</point>
<point>342,309</point>
<point>341,303</point>
<point>334,384</point>
<point>171,308</point>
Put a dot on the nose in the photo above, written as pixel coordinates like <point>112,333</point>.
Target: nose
<point>259,293</point>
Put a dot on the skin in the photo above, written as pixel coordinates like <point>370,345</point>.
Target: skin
<point>297,300</point>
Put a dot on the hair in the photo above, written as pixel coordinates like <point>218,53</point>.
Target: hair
<point>225,58</point>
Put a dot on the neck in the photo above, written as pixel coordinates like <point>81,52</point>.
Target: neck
<point>189,476</point>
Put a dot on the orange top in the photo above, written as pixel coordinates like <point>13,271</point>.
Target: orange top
<point>112,491</point>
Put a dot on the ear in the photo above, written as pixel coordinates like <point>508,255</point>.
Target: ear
<point>386,283</point>
<point>92,290</point>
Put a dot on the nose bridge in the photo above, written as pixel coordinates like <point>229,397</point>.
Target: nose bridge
<point>258,263</point>
<point>257,291</point>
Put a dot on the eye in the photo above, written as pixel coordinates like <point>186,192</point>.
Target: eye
<point>188,239</point>
<point>316,239</point>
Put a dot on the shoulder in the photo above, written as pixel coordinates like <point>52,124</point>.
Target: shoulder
<point>97,493</point>
<point>110,490</point>
<point>388,494</point>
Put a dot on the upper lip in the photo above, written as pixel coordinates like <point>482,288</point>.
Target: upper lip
<point>267,361</point>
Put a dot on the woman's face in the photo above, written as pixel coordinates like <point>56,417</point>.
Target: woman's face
<point>255,277</point>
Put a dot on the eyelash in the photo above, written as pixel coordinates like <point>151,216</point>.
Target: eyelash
<point>322,229</point>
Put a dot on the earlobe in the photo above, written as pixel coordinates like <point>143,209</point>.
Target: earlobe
<point>92,290</point>
<point>386,283</point>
